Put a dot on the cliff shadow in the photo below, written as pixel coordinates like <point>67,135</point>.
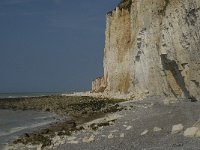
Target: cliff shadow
<point>172,66</point>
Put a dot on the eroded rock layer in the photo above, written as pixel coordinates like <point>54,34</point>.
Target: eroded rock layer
<point>153,46</point>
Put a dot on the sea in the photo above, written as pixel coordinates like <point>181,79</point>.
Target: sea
<point>35,94</point>
<point>15,123</point>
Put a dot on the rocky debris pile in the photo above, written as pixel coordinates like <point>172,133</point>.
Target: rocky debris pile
<point>190,132</point>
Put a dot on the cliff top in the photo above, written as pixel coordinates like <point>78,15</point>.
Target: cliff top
<point>123,4</point>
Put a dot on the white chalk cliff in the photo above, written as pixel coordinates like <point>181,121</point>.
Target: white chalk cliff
<point>152,47</point>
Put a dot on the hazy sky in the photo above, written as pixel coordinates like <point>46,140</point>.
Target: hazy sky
<point>51,45</point>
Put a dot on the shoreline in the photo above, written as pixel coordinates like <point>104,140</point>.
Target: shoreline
<point>15,123</point>
<point>75,110</point>
<point>28,94</point>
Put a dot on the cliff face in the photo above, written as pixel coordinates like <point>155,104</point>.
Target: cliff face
<point>153,46</point>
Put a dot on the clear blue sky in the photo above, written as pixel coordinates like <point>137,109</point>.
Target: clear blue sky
<point>51,45</point>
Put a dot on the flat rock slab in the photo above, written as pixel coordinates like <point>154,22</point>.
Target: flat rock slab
<point>144,132</point>
<point>190,132</point>
<point>177,128</point>
<point>157,129</point>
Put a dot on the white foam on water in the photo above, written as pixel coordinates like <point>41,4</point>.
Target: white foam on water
<point>18,129</point>
<point>45,117</point>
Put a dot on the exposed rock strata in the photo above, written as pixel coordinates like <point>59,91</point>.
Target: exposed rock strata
<point>153,46</point>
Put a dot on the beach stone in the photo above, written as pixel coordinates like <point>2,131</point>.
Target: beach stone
<point>95,133</point>
<point>177,128</point>
<point>190,132</point>
<point>111,123</point>
<point>144,132</point>
<point>122,135</point>
<point>39,147</point>
<point>88,140</point>
<point>73,142</point>
<point>113,131</point>
<point>157,129</point>
<point>129,127</point>
<point>100,128</point>
<point>198,133</point>
<point>71,138</point>
<point>110,136</point>
<point>197,124</point>
<point>125,126</point>
<point>62,142</point>
<point>129,108</point>
<point>168,101</point>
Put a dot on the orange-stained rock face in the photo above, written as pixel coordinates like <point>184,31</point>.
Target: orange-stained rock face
<point>152,46</point>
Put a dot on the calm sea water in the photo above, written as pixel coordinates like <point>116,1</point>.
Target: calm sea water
<point>15,95</point>
<point>16,123</point>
